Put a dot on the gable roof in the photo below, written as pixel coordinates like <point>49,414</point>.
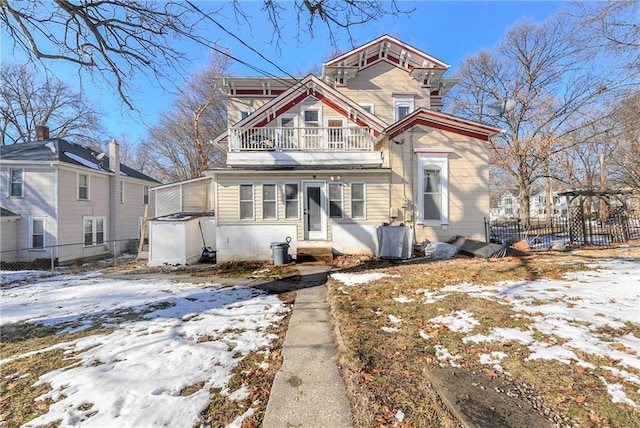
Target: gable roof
<point>57,149</point>
<point>423,67</point>
<point>310,86</point>
<point>6,214</point>
<point>389,49</point>
<point>443,121</point>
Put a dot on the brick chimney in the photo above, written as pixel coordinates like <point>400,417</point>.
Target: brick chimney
<point>42,132</point>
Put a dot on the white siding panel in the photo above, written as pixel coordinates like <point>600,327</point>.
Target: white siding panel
<point>168,201</point>
<point>251,242</point>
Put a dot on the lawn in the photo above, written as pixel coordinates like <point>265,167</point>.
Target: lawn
<point>561,334</point>
<point>83,349</point>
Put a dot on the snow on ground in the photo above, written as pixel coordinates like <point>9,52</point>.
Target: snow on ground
<point>573,310</point>
<point>186,334</point>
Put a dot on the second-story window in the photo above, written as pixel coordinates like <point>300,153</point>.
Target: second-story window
<point>145,195</point>
<point>403,106</point>
<point>16,186</point>
<point>83,187</point>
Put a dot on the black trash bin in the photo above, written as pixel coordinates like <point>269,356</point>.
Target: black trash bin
<point>280,252</point>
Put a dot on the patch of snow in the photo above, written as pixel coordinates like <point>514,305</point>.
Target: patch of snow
<point>82,161</point>
<point>458,321</point>
<point>403,299</point>
<point>51,147</point>
<point>493,359</point>
<point>389,329</point>
<point>616,393</point>
<point>351,279</point>
<point>443,354</point>
<point>394,319</point>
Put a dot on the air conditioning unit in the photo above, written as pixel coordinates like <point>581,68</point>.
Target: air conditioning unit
<point>395,242</point>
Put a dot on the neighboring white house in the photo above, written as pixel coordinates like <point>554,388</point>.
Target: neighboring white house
<point>335,162</point>
<point>508,206</point>
<point>67,201</point>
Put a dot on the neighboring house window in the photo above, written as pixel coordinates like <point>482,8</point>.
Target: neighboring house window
<point>93,228</point>
<point>246,202</point>
<point>358,200</point>
<point>403,106</point>
<point>83,186</point>
<point>508,210</point>
<point>269,202</point>
<point>433,191</point>
<point>291,204</point>
<point>541,199</point>
<point>122,192</point>
<point>311,133</point>
<point>432,199</point>
<point>368,107</point>
<point>335,200</point>
<point>36,232</point>
<point>16,186</point>
<point>145,195</point>
<point>507,201</point>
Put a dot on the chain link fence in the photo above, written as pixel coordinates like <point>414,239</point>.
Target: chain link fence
<point>55,257</point>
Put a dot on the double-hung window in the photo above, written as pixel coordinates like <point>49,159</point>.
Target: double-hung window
<point>145,195</point>
<point>433,191</point>
<point>291,204</point>
<point>432,194</point>
<point>36,232</point>
<point>246,202</point>
<point>358,200</point>
<point>93,230</point>
<point>16,185</point>
<point>122,192</point>
<point>335,200</point>
<point>83,187</point>
<point>269,202</point>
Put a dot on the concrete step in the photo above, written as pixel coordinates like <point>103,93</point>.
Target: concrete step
<point>314,254</point>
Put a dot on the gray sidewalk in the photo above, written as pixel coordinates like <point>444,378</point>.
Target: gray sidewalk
<point>308,390</point>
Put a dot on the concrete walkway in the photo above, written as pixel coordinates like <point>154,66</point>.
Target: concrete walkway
<point>308,390</point>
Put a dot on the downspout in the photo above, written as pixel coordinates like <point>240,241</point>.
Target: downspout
<point>114,197</point>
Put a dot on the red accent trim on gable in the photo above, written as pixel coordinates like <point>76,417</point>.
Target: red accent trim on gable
<point>372,59</point>
<point>387,39</point>
<point>441,126</point>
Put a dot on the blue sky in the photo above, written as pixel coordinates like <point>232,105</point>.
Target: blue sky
<point>447,30</point>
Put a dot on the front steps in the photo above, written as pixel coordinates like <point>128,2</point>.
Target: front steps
<point>314,253</point>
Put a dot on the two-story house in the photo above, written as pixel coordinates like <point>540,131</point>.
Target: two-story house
<point>327,160</point>
<point>64,201</point>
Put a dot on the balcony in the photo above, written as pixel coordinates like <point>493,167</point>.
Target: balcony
<point>288,146</point>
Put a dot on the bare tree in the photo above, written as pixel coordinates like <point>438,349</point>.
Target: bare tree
<point>197,115</point>
<point>542,68</point>
<point>613,28</point>
<point>30,99</point>
<point>116,39</point>
<point>625,157</point>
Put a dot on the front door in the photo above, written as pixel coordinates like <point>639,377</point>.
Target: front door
<point>315,213</point>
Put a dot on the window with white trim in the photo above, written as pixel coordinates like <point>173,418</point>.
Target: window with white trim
<point>145,195</point>
<point>358,200</point>
<point>433,188</point>
<point>36,232</point>
<point>432,194</point>
<point>122,192</point>
<point>93,230</point>
<point>246,202</point>
<point>403,106</point>
<point>335,200</point>
<point>83,187</point>
<point>368,107</point>
<point>269,202</point>
<point>16,183</point>
<point>291,201</point>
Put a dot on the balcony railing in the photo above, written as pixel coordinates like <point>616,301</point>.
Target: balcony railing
<point>318,139</point>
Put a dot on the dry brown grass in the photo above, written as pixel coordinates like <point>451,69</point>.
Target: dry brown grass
<point>387,372</point>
